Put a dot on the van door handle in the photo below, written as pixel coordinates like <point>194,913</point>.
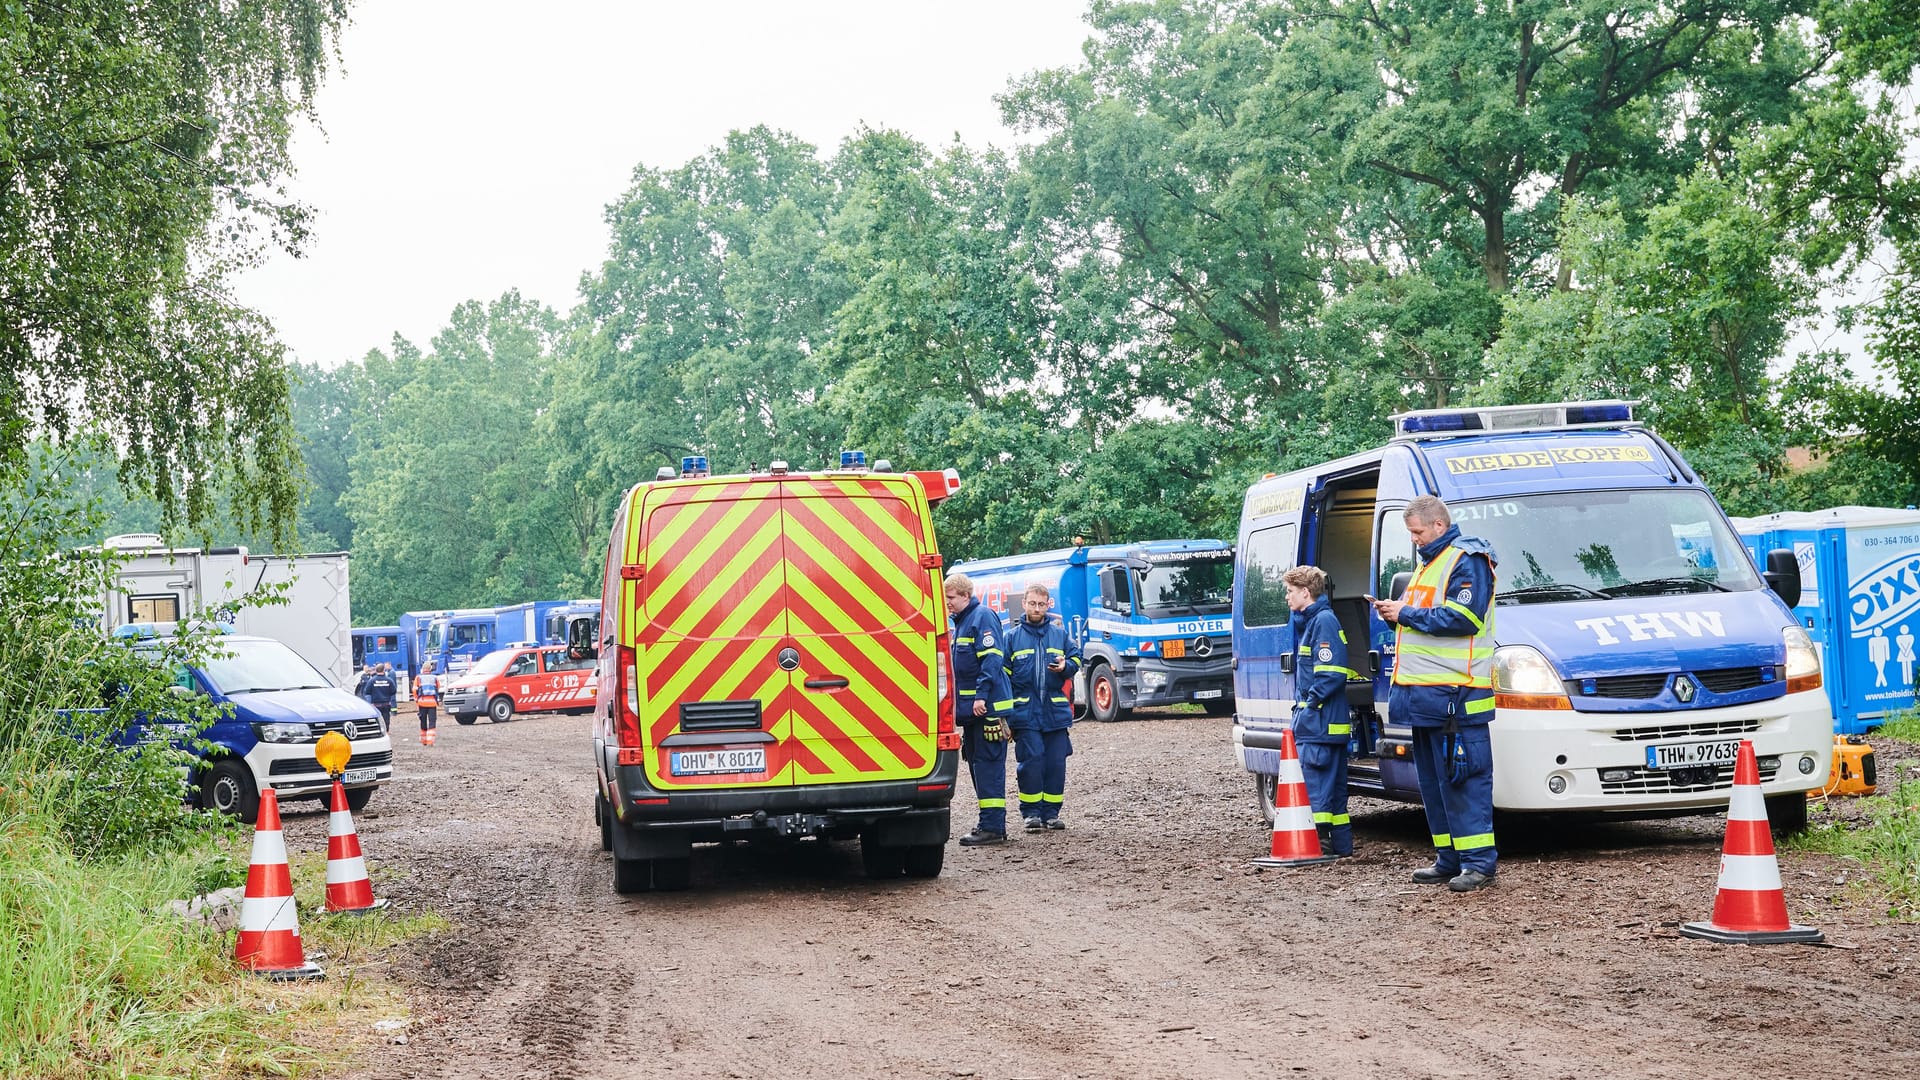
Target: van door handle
<point>835,683</point>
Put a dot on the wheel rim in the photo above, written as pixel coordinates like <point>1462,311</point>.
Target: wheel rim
<point>1102,693</point>
<point>226,794</point>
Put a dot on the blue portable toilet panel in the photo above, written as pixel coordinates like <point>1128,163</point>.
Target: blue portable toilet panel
<point>1859,599</point>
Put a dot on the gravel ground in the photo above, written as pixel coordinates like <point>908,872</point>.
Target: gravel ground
<point>1138,943</point>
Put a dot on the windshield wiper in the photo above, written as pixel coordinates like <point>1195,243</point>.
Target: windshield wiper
<point>1554,588</point>
<point>1664,584</point>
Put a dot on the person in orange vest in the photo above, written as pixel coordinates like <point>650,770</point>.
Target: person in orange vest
<point>426,700</point>
<point>1443,690</point>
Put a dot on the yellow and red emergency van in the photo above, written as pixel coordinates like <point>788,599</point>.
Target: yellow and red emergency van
<point>773,662</point>
<point>519,679</point>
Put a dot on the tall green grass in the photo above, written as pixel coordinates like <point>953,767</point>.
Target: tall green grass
<point>97,980</point>
<point>1886,840</point>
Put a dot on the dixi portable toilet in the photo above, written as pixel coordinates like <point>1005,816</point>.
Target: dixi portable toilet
<point>1859,598</point>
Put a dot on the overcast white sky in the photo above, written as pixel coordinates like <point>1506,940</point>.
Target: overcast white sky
<point>470,147</point>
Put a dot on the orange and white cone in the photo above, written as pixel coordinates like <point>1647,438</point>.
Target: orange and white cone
<point>1750,908</point>
<point>1296,842</point>
<point>269,941</point>
<point>348,889</point>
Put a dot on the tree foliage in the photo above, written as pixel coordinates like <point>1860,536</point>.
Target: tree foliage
<point>142,152</point>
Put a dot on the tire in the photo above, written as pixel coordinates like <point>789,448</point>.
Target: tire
<point>925,860</point>
<point>1103,696</point>
<point>500,709</point>
<point>632,875</point>
<point>1787,814</point>
<point>1266,789</point>
<point>881,863</point>
<point>1220,706</point>
<point>465,719</point>
<point>357,798</point>
<point>227,786</point>
<point>672,875</point>
<point>603,814</point>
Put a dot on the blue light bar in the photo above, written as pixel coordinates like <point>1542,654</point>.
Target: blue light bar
<point>1602,413</point>
<point>1421,423</point>
<point>686,465</point>
<point>853,459</point>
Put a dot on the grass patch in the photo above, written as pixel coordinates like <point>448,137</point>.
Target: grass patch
<point>1885,840</point>
<point>1904,726</point>
<point>98,979</point>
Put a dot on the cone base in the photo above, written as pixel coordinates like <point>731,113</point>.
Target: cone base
<point>308,970</point>
<point>1306,860</point>
<point>375,906</point>
<point>1792,935</point>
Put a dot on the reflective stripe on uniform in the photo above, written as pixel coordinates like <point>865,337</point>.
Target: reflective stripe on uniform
<point>1474,842</point>
<point>993,804</point>
<point>1442,840</point>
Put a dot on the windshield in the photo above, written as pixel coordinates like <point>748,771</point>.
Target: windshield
<point>1198,587</point>
<point>491,664</point>
<point>433,636</point>
<point>1600,545</point>
<point>254,667</point>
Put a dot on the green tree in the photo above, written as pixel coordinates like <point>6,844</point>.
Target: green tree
<point>142,149</point>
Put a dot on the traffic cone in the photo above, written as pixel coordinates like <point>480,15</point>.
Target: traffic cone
<point>348,889</point>
<point>269,941</point>
<point>1750,908</point>
<point>1295,840</point>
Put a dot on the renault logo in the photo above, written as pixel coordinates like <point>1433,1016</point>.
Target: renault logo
<point>1202,646</point>
<point>349,730</point>
<point>1683,688</point>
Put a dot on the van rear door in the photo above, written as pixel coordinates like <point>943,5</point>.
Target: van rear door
<point>710,626</point>
<point>862,617</point>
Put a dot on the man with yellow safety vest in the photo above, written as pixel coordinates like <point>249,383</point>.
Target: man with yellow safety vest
<point>1322,723</point>
<point>1443,690</point>
<point>982,700</point>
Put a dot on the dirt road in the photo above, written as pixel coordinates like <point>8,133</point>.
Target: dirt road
<point>1138,943</point>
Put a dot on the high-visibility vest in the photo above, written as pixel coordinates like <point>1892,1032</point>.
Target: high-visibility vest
<point>426,688</point>
<point>1422,659</point>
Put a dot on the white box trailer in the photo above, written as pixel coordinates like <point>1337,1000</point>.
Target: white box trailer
<point>156,583</point>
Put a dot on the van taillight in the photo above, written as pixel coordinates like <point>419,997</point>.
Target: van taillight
<point>627,733</point>
<point>943,686</point>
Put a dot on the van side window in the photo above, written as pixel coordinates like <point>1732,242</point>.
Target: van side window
<point>1269,553</point>
<point>1395,546</point>
<point>523,664</point>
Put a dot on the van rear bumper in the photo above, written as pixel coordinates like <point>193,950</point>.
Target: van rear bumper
<point>903,811</point>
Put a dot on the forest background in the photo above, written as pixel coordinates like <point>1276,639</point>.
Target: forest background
<point>1241,235</point>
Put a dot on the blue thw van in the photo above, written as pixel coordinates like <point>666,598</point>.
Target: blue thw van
<point>1637,642</point>
<point>273,707</point>
<point>1150,618</point>
<point>380,645</point>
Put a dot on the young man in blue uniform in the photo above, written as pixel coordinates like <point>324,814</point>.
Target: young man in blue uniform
<point>1041,659</point>
<point>1322,723</point>
<point>1443,689</point>
<point>982,700</point>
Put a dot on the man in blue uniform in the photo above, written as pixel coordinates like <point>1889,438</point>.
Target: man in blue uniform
<point>982,700</point>
<point>1322,724</point>
<point>1041,658</point>
<point>1443,689</point>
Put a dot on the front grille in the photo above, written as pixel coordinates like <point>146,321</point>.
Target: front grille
<point>294,766</point>
<point>1663,781</point>
<point>367,729</point>
<point>1648,685</point>
<point>720,715</point>
<point>1732,680</point>
<point>1624,686</point>
<point>1697,729</point>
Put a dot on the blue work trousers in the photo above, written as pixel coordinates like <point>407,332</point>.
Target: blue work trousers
<point>1325,767</point>
<point>1042,771</point>
<point>1456,787</point>
<point>987,763</point>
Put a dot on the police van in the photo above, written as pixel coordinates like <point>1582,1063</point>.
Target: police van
<point>773,664</point>
<point>1637,641</point>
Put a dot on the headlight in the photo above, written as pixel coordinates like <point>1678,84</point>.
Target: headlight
<point>1803,659</point>
<point>1523,679</point>
<point>1153,680</point>
<point>284,733</point>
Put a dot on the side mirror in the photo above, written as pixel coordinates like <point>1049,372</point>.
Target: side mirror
<point>1286,663</point>
<point>580,644</point>
<point>1398,588</point>
<point>1783,575</point>
<point>1116,591</point>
